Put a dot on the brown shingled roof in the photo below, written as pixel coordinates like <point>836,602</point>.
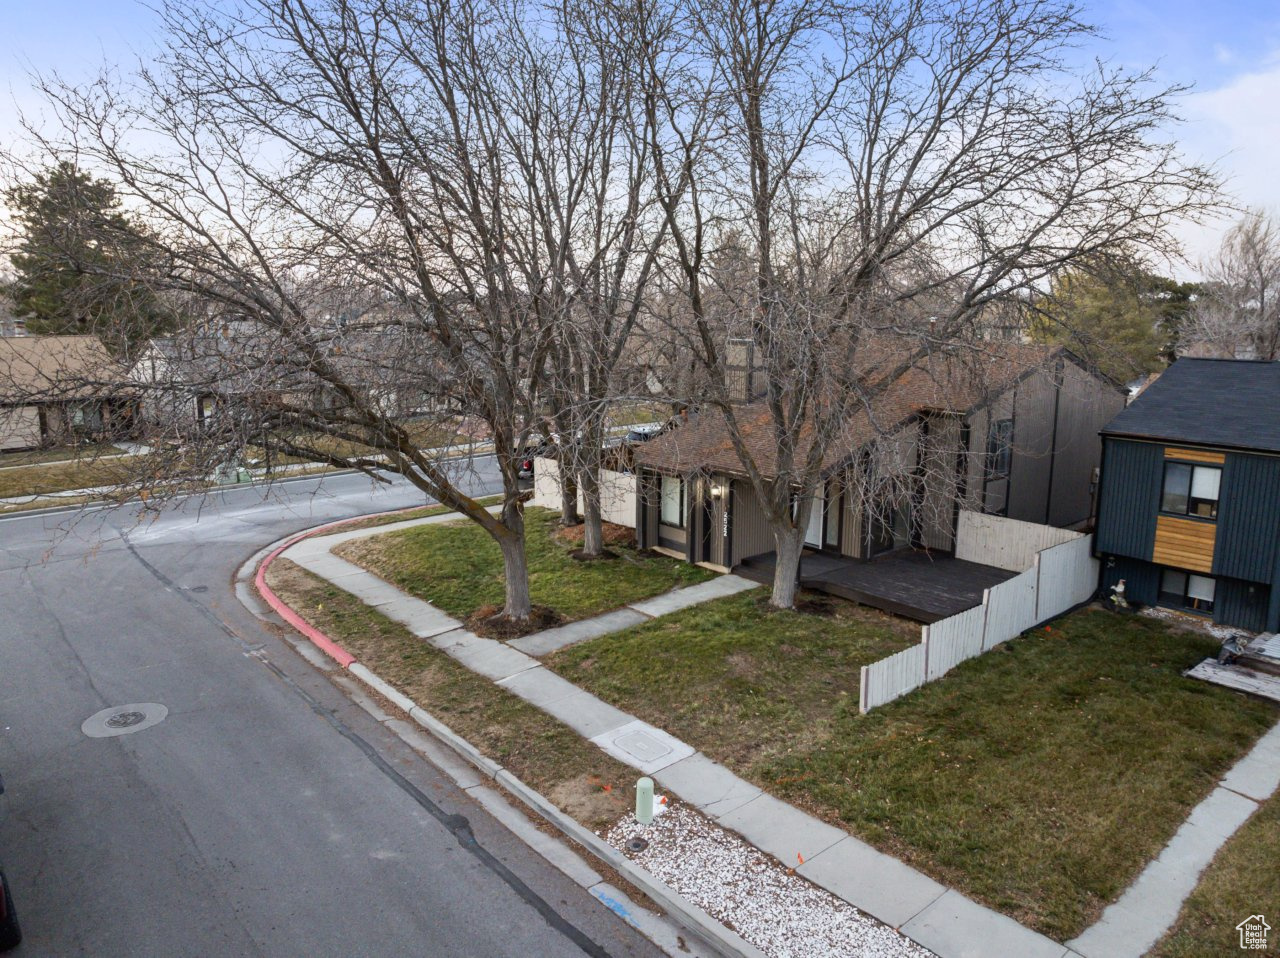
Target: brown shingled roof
<point>36,368</point>
<point>955,383</point>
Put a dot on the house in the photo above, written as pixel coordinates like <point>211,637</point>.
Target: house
<point>185,382</point>
<point>58,389</point>
<point>1010,429</point>
<point>1189,510</point>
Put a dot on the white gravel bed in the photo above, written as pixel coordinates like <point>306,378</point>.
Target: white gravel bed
<point>1219,632</point>
<point>776,910</point>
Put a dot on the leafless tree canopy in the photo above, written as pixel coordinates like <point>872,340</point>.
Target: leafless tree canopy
<point>1238,317</point>
<point>514,213</point>
<point>836,177</point>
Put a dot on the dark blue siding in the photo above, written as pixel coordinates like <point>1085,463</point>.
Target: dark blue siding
<point>1248,518</point>
<point>1132,473</point>
<point>1141,579</point>
<point>1242,604</point>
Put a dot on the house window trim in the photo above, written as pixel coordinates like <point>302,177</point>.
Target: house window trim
<point>1186,592</point>
<point>684,500</point>
<point>1188,514</point>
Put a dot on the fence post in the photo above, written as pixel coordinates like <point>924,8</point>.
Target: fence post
<point>924,640</point>
<point>1037,565</point>
<point>862,691</point>
<point>986,609</point>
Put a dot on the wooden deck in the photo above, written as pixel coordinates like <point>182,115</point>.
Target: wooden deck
<point>922,586</point>
<point>1260,684</point>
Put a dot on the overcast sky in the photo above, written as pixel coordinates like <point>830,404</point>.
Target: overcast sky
<point>1229,52</point>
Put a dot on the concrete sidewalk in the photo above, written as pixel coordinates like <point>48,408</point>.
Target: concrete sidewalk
<point>936,917</point>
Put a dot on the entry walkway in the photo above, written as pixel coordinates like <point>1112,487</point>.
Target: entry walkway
<point>939,918</point>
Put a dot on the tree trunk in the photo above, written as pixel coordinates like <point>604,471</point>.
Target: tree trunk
<point>593,528</point>
<point>515,571</point>
<point>786,571</point>
<point>568,495</point>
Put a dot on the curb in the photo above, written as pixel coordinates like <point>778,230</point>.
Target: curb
<point>711,932</point>
<point>94,504</point>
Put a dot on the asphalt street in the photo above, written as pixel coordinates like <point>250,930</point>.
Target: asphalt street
<point>265,814</point>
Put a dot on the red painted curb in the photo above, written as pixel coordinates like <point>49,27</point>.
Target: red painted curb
<point>318,638</point>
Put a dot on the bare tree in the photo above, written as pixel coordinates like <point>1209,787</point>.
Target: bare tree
<point>586,170</point>
<point>284,156</point>
<point>889,171</point>
<point>1238,314</point>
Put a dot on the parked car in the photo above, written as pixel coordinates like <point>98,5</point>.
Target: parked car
<point>643,432</point>
<point>546,448</point>
<point>10,932</point>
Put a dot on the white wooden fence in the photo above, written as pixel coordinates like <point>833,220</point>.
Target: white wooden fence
<point>617,492</point>
<point>897,675</point>
<point>1009,544</point>
<point>1061,574</point>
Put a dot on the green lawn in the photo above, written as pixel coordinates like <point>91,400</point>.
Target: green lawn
<point>1039,778</point>
<point>1243,880</point>
<point>538,749</point>
<point>457,567</point>
<point>752,683</point>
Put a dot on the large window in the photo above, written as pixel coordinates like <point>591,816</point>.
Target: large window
<point>672,513</point>
<point>999,449</point>
<point>1191,490</point>
<point>1184,590</point>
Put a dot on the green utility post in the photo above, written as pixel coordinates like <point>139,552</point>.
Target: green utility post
<point>644,800</point>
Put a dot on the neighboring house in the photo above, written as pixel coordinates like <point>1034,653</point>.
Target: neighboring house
<point>186,380</point>
<point>58,389</point>
<point>177,390</point>
<point>1189,511</point>
<point>1012,433</point>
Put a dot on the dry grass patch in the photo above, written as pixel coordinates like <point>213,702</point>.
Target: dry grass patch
<point>538,749</point>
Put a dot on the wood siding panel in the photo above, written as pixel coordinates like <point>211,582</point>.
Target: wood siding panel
<point>1194,455</point>
<point>751,533</point>
<point>1132,473</point>
<point>1086,406</point>
<point>1031,463</point>
<point>1248,518</point>
<point>1184,544</point>
<point>940,454</point>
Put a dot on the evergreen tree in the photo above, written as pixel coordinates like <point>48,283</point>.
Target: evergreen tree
<point>78,259</point>
<point>1121,319</point>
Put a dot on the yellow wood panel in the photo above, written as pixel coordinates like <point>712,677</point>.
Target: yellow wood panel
<point>1184,543</point>
<point>1195,455</point>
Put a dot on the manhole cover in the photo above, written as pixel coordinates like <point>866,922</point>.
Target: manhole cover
<point>637,845</point>
<point>124,719</point>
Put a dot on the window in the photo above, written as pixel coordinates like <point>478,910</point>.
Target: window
<point>1191,490</point>
<point>999,449</point>
<point>1184,590</point>
<point>672,513</point>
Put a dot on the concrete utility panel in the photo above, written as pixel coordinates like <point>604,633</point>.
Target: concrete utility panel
<point>643,747</point>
